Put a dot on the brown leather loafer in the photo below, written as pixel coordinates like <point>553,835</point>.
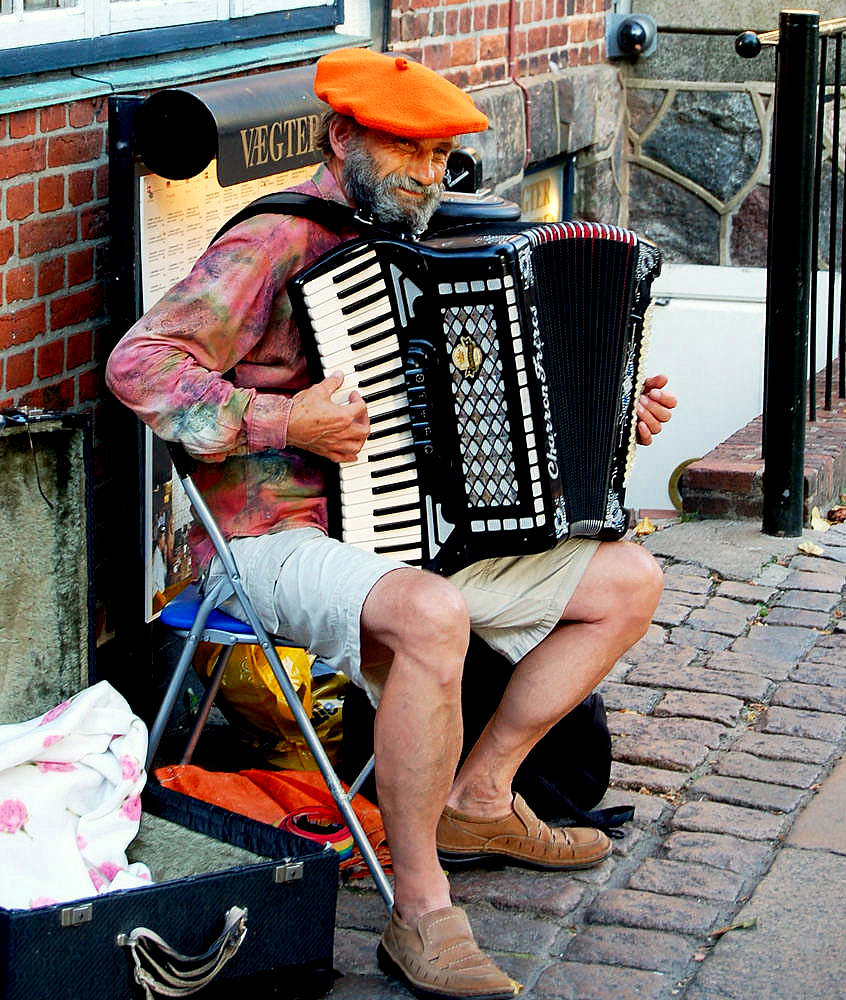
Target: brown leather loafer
<point>519,838</point>
<point>440,959</point>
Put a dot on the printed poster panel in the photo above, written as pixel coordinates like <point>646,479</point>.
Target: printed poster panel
<point>177,222</point>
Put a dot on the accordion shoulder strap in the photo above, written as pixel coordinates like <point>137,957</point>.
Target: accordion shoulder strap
<point>332,215</point>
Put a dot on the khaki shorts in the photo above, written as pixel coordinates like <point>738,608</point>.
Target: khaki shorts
<point>310,589</point>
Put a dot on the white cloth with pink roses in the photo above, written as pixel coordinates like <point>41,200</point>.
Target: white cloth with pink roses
<point>70,784</point>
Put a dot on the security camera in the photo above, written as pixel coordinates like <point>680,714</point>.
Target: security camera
<point>630,35</point>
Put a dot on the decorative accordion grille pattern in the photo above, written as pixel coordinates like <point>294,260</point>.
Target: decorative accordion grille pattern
<point>483,425</point>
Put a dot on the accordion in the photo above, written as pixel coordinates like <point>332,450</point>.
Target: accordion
<point>501,371</point>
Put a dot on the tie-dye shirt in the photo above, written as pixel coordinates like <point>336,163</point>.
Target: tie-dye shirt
<point>215,363</point>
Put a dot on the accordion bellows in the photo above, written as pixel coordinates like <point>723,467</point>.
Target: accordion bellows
<point>501,371</point>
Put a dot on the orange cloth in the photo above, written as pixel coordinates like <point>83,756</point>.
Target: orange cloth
<point>221,788</point>
<point>270,796</point>
<point>395,94</point>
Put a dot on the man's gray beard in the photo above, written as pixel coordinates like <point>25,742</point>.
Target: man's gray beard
<point>377,195</point>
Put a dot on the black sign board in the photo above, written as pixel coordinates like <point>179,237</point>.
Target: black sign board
<point>255,126</point>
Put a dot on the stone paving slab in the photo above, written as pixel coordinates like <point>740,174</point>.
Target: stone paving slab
<point>795,949</point>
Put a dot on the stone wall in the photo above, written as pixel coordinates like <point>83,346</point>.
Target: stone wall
<point>700,138</point>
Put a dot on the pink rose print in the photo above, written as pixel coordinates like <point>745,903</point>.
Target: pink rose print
<point>81,842</point>
<point>110,870</point>
<point>129,767</point>
<point>54,713</point>
<point>51,739</point>
<point>40,901</point>
<point>96,879</point>
<point>132,808</point>
<point>54,765</point>
<point>13,815</point>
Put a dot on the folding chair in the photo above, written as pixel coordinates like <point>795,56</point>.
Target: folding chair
<point>197,618</point>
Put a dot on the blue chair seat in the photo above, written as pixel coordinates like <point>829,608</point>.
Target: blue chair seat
<point>181,612</point>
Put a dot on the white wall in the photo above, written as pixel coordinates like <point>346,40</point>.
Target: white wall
<point>708,337</point>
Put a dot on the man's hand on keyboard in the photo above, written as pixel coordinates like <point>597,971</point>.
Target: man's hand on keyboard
<point>333,430</point>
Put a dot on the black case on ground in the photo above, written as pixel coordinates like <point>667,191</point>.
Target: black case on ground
<point>72,951</point>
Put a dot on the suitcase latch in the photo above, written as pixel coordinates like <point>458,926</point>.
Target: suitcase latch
<point>73,916</point>
<point>291,871</point>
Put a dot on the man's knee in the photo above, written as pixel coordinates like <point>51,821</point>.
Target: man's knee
<point>421,618</point>
<point>641,584</point>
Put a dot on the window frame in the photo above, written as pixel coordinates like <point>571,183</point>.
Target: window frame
<point>77,53</point>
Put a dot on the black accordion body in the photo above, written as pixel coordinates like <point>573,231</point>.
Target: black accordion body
<point>501,371</point>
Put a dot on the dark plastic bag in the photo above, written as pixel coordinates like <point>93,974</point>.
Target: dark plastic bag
<point>564,776</point>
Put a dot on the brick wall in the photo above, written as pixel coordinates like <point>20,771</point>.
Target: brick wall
<point>476,44</point>
<point>52,251</point>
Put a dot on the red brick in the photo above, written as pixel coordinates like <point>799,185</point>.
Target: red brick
<point>79,147</point>
<point>46,234</point>
<point>54,117</point>
<point>51,193</point>
<point>7,243</point>
<point>21,325</point>
<point>20,201</point>
<point>19,369</point>
<point>538,38</point>
<point>722,475</point>
<point>578,31</point>
<point>94,222</point>
<point>90,386</point>
<point>21,124</point>
<point>79,350</point>
<point>51,275</point>
<point>558,34</point>
<point>463,52</point>
<point>51,359</point>
<point>101,109</point>
<point>437,57</point>
<point>492,47</point>
<point>3,122</point>
<point>23,158</point>
<point>80,114</point>
<point>33,398</point>
<point>81,187</point>
<point>80,266</point>
<point>101,179</point>
<point>76,308</point>
<point>20,283</point>
<point>60,396</point>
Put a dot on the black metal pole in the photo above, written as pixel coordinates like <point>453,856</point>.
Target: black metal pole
<point>789,277</point>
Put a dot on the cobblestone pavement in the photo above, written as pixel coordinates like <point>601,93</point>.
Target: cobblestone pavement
<point>726,717</point>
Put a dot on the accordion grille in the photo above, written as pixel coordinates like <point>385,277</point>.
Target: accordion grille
<point>481,410</point>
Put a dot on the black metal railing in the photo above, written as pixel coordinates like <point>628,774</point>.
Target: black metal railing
<point>809,78</point>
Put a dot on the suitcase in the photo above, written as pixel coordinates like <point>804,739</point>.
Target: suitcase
<point>264,924</point>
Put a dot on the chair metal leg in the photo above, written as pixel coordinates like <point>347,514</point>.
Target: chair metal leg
<point>208,604</point>
<point>363,776</point>
<point>206,704</point>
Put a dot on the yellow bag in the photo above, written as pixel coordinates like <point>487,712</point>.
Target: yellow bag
<point>252,701</point>
<point>249,686</point>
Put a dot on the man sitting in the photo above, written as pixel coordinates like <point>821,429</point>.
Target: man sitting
<point>218,365</point>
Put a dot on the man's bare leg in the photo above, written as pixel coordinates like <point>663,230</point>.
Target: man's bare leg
<point>609,611</point>
<point>421,621</point>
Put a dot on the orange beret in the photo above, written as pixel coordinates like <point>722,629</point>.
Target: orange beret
<point>395,94</point>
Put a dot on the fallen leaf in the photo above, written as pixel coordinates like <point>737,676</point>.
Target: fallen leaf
<point>810,548</point>
<point>818,522</point>
<point>644,527</point>
<point>738,926</point>
<point>837,515</point>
